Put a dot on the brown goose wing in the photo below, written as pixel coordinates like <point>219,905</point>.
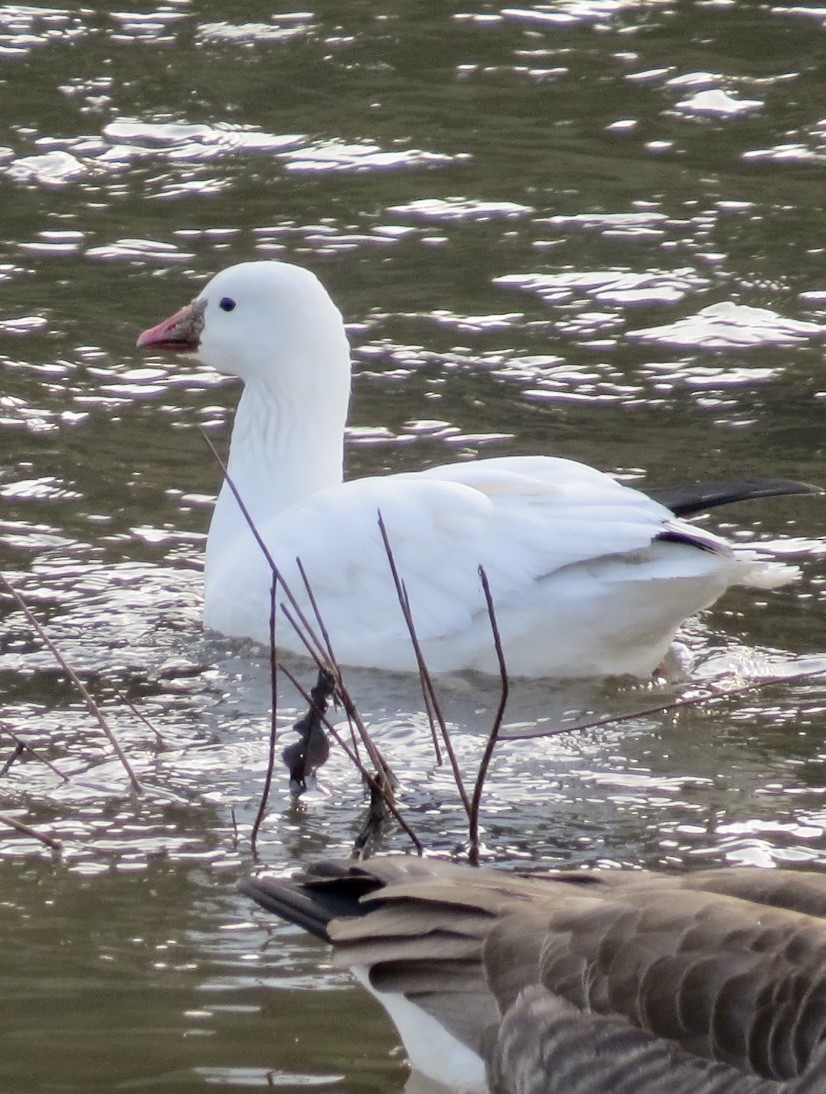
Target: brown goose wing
<point>725,978</point>
<point>644,970</point>
<point>546,1046</point>
<point>423,937</point>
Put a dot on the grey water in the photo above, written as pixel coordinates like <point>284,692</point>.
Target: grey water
<point>592,229</point>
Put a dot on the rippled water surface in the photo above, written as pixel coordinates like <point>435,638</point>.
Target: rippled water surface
<point>589,229</point>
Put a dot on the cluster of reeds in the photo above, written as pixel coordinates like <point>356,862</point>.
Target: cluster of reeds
<point>304,756</point>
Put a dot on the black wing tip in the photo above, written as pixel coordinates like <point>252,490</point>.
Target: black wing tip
<point>286,900</point>
<point>313,897</point>
<point>685,501</point>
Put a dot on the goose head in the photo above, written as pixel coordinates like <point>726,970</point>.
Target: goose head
<point>269,323</point>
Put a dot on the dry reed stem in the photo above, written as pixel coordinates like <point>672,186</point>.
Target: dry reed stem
<point>428,688</point>
<point>708,696</point>
<point>493,736</point>
<point>429,696</point>
<point>431,702</point>
<point>139,715</point>
<point>54,844</point>
<point>311,636</point>
<point>19,749</point>
<point>22,746</point>
<point>273,735</point>
<point>376,815</point>
<point>304,756</point>
<point>380,781</point>
<point>91,705</point>
<point>378,784</point>
<point>342,694</point>
<point>325,634</point>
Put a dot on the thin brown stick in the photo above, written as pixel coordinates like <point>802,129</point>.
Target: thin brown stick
<point>273,735</point>
<point>17,752</point>
<point>376,757</point>
<point>307,635</point>
<point>344,697</point>
<point>370,831</point>
<point>295,623</point>
<point>341,690</point>
<point>311,636</point>
<point>431,703</point>
<point>27,830</point>
<point>34,752</point>
<point>355,719</point>
<point>353,738</point>
<point>325,634</point>
<point>493,736</point>
<point>91,705</point>
<point>665,708</point>
<point>431,699</point>
<point>139,715</point>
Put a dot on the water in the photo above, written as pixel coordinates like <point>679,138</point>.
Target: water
<point>589,229</point>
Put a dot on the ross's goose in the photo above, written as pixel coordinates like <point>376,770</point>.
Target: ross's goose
<point>604,982</point>
<point>589,577</point>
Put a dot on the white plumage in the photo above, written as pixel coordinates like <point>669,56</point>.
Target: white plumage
<point>589,577</point>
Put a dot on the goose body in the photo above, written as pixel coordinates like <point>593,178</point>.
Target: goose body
<point>607,982</point>
<point>589,577</point>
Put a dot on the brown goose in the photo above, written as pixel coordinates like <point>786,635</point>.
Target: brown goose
<point>607,982</point>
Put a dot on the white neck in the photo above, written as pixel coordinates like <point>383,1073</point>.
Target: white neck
<point>280,454</point>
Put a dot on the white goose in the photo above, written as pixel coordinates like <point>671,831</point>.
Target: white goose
<point>589,577</point>
<point>605,982</point>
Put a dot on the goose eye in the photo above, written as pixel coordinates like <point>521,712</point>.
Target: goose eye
<point>227,304</point>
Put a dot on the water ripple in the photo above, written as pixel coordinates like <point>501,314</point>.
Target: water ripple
<point>620,287</point>
<point>461,209</point>
<point>727,325</point>
<point>24,27</point>
<point>294,25</point>
<point>717,103</point>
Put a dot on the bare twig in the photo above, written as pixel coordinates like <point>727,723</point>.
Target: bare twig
<point>342,694</point>
<point>325,634</point>
<point>431,702</point>
<point>265,793</point>
<point>311,596</point>
<point>370,831</point>
<point>91,705</point>
<point>297,624</point>
<point>17,752</point>
<point>27,830</point>
<point>493,736</point>
<point>306,755</point>
<point>375,756</point>
<point>311,636</point>
<point>341,691</point>
<point>122,698</point>
<point>428,690</point>
<point>709,696</point>
<point>23,746</point>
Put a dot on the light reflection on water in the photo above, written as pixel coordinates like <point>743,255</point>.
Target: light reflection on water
<point>592,229</point>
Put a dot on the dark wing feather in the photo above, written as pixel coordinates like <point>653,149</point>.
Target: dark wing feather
<point>685,501</point>
<point>546,1046</point>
